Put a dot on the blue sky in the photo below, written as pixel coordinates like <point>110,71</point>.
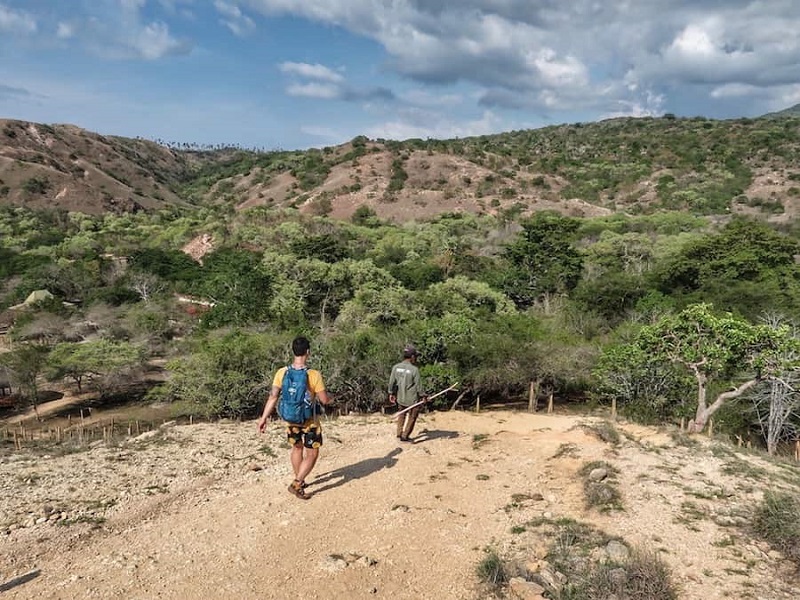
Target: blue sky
<point>310,73</point>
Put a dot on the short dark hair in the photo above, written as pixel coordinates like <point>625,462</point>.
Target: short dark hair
<point>300,346</point>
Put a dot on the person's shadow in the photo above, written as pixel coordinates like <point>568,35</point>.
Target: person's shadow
<point>364,468</point>
<point>427,435</point>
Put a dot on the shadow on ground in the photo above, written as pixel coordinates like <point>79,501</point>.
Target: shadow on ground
<point>426,435</point>
<point>364,468</point>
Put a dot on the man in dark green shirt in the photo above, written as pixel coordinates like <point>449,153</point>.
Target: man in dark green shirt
<point>405,390</point>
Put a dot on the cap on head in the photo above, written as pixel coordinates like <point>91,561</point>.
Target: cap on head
<point>409,351</point>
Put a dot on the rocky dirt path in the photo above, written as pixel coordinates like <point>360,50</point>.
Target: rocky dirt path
<point>203,511</point>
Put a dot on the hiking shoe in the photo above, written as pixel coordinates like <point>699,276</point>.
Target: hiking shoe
<point>298,490</point>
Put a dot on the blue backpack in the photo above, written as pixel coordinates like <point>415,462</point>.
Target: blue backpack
<point>295,405</point>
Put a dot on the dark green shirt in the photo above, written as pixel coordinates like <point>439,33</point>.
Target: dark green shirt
<point>405,377</point>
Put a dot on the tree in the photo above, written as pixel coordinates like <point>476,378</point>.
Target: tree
<point>105,364</point>
<point>146,285</point>
<point>543,260</point>
<point>716,349</point>
<point>25,363</point>
<point>747,267</point>
<point>646,386</point>
<point>776,401</point>
<point>228,375</point>
<point>237,284</point>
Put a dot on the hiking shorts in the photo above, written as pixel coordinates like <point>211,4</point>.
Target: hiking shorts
<point>309,434</point>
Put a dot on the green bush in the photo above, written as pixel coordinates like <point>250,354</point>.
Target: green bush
<point>777,520</point>
<point>491,570</point>
<point>36,185</point>
<point>644,576</point>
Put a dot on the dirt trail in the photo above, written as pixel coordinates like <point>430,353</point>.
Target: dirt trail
<point>386,520</point>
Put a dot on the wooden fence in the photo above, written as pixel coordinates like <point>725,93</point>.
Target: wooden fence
<point>78,434</point>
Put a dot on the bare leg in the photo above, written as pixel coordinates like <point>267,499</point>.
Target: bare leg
<point>296,457</point>
<point>307,464</point>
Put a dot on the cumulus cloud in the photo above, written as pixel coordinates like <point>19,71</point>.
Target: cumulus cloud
<point>314,90</point>
<point>65,31</point>
<point>572,55</point>
<point>117,29</point>
<point>734,90</point>
<point>153,40</point>
<point>316,71</point>
<point>234,19</point>
<point>319,81</point>
<point>415,123</point>
<point>16,21</point>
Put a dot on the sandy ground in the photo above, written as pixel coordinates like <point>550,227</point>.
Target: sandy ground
<point>203,511</point>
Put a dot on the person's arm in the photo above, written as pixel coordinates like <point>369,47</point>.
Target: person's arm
<point>393,387</point>
<point>421,395</point>
<point>268,408</point>
<point>317,386</point>
<point>323,397</point>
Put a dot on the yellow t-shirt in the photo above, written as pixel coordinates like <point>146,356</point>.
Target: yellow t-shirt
<point>315,383</point>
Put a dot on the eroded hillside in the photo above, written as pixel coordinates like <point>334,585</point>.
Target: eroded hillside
<point>701,166</point>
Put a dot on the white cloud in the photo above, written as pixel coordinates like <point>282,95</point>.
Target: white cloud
<point>556,72</point>
<point>324,91</point>
<point>421,124</point>
<point>650,105</point>
<point>234,19</point>
<point>316,71</point>
<point>65,31</point>
<point>734,90</point>
<point>154,41</point>
<point>572,55</point>
<point>178,7</point>
<point>16,21</point>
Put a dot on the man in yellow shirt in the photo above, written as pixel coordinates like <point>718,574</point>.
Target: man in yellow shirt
<point>305,435</point>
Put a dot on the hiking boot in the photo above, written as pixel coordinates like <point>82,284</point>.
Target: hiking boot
<point>298,489</point>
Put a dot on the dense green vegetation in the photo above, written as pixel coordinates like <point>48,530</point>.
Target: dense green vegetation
<point>562,302</point>
<point>587,309</point>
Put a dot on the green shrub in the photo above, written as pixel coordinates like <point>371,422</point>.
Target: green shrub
<point>777,520</point>
<point>644,576</point>
<point>491,570</point>
<point>36,185</point>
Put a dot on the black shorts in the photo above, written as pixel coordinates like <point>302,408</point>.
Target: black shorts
<point>309,434</point>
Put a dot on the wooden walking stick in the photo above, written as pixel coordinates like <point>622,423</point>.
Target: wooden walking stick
<point>428,399</point>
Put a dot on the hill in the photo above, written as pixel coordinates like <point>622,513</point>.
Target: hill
<point>202,511</point>
<point>63,166</point>
<point>698,165</point>
<point>792,111</point>
<point>703,166</point>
